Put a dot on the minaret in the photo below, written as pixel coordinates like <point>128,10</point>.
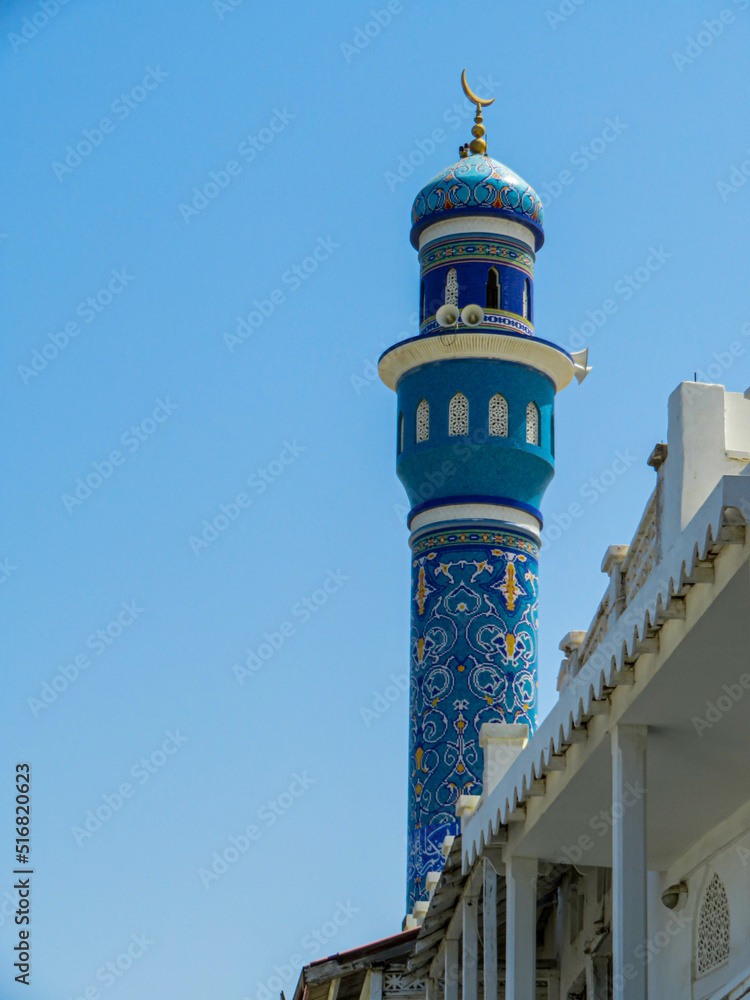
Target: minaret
<point>475,452</point>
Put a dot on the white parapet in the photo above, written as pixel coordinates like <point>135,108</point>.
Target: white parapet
<point>502,742</point>
<point>465,807</point>
<point>709,437</point>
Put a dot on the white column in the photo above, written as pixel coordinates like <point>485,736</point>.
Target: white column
<point>431,989</point>
<point>489,925</point>
<point>451,969</point>
<point>376,984</point>
<point>629,928</point>
<point>520,950</point>
<point>470,950</point>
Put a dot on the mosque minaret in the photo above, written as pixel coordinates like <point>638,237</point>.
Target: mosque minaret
<point>475,442</point>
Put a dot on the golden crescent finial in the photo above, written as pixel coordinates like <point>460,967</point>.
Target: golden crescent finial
<point>479,144</point>
<point>472,96</point>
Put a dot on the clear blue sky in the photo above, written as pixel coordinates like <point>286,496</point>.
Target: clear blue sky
<point>183,88</point>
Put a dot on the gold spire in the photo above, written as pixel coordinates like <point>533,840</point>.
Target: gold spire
<point>479,143</point>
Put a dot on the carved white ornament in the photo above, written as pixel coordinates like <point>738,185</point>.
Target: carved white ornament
<point>499,416</point>
<point>423,421</point>
<point>451,288</point>
<point>532,424</point>
<point>713,928</point>
<point>458,415</point>
<point>396,986</point>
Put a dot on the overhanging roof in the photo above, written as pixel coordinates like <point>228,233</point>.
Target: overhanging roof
<point>679,643</point>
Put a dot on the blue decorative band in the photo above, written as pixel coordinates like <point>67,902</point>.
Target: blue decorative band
<point>476,247</point>
<point>496,213</point>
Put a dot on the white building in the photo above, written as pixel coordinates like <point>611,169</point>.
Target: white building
<point>609,854</point>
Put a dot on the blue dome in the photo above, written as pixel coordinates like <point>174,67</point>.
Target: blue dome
<point>475,186</point>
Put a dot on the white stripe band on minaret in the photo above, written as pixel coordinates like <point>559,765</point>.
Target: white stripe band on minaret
<point>477,512</point>
<point>478,224</point>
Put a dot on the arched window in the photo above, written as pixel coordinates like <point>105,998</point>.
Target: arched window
<point>499,416</point>
<point>532,424</point>
<point>494,290</point>
<point>422,309</point>
<point>713,928</point>
<point>451,288</point>
<point>400,443</point>
<point>458,415</point>
<point>527,299</point>
<point>423,421</point>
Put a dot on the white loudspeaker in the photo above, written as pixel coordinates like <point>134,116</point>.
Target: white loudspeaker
<point>580,362</point>
<point>447,315</point>
<point>472,315</point>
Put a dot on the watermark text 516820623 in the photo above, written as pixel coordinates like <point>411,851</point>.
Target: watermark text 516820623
<point>22,948</point>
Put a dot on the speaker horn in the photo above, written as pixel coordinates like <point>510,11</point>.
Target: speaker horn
<point>472,315</point>
<point>580,363</point>
<point>447,315</point>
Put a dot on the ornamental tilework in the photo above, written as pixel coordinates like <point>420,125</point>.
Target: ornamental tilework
<point>473,660</point>
<point>477,182</point>
<point>504,321</point>
<point>476,248</point>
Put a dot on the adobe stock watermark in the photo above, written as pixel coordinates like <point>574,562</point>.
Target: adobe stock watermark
<point>98,642</point>
<point>653,946</point>
<point>303,610</point>
<point>591,491</point>
<point>716,710</point>
<point>364,34</point>
<point>564,12</point>
<point>722,362</point>
<point>600,824</point>
<point>122,107</point>
<point>7,569</point>
<point>248,149</point>
<point>224,7</point>
<point>709,31</point>
<point>131,440</point>
<point>625,288</point>
<point>31,26</point>
<point>268,815</point>
<point>109,973</point>
<point>293,279</point>
<point>369,371</point>
<point>436,478</point>
<point>88,310</point>
<point>311,943</point>
<point>738,176</point>
<point>259,482</point>
<point>141,772</point>
<point>454,116</point>
<point>383,700</point>
<point>581,159</point>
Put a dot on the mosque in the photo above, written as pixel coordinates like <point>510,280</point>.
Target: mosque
<point>604,851</point>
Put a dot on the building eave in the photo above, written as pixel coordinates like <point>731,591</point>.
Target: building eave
<point>568,745</point>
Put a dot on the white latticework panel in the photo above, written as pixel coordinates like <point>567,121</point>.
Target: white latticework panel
<point>713,927</point>
<point>458,415</point>
<point>451,288</point>
<point>532,424</point>
<point>423,421</point>
<point>499,416</point>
